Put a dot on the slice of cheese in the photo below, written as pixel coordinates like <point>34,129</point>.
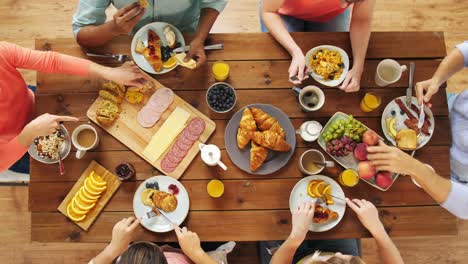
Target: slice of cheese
<point>166,134</point>
<point>191,64</point>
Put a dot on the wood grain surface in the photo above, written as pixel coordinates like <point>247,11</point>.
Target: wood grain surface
<point>258,72</point>
<point>113,183</point>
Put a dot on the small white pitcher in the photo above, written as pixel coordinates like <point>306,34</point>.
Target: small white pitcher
<point>211,155</point>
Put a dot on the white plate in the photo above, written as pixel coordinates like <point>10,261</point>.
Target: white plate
<point>393,106</point>
<point>142,34</point>
<point>158,223</point>
<point>65,149</point>
<point>299,195</point>
<point>318,78</point>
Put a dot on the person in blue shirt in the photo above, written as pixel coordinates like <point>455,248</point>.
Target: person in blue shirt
<point>190,16</point>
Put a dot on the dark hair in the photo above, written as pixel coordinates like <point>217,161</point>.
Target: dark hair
<point>143,253</point>
<point>336,260</point>
<point>352,1</point>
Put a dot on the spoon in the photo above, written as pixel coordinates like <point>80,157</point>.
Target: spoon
<point>61,166</point>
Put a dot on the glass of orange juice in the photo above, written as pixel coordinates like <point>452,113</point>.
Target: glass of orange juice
<point>215,188</point>
<point>370,102</point>
<point>349,178</point>
<point>220,71</point>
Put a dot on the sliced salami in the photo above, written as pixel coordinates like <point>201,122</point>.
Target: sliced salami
<point>196,126</point>
<point>189,135</point>
<point>176,151</point>
<point>173,158</point>
<point>167,165</point>
<point>182,145</point>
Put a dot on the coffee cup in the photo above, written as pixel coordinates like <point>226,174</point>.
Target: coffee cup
<point>388,71</point>
<point>313,162</point>
<point>311,98</point>
<point>85,137</point>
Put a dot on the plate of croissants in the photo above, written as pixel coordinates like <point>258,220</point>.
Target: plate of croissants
<point>165,194</point>
<point>260,139</point>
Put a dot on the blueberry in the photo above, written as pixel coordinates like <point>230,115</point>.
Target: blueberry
<point>155,186</point>
<point>402,112</point>
<point>149,185</point>
<point>393,113</point>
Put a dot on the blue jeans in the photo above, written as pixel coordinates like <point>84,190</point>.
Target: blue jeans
<point>308,247</point>
<point>22,165</point>
<point>338,24</point>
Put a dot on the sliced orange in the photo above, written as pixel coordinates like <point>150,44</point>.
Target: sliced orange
<point>83,199</point>
<point>74,217</point>
<point>95,181</point>
<point>88,195</point>
<point>317,190</point>
<point>171,62</point>
<point>77,211</point>
<point>327,190</point>
<point>94,190</point>
<point>81,205</point>
<point>310,187</point>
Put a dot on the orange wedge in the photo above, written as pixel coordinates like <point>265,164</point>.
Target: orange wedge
<point>74,217</point>
<point>310,187</point>
<point>95,181</point>
<point>82,205</point>
<point>76,210</point>
<point>87,195</point>
<point>79,196</point>
<point>327,190</point>
<point>94,190</point>
<point>318,189</point>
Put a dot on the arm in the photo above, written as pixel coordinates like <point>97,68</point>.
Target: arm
<point>301,219</point>
<point>274,23</point>
<point>89,24</point>
<point>190,244</point>
<point>369,217</point>
<point>451,64</point>
<point>359,32</point>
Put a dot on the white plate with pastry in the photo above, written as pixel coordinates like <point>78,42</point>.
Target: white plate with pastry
<point>326,215</point>
<point>170,196</point>
<point>260,139</point>
<point>400,122</point>
<point>152,46</point>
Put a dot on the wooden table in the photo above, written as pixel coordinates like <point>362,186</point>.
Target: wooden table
<point>253,207</point>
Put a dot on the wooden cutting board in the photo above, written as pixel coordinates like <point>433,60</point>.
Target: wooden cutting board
<point>113,183</point>
<point>127,130</point>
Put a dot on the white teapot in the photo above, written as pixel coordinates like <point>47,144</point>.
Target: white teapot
<point>211,155</point>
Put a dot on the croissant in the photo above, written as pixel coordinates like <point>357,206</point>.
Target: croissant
<point>271,140</point>
<point>243,137</point>
<point>247,120</point>
<point>267,122</point>
<point>258,155</point>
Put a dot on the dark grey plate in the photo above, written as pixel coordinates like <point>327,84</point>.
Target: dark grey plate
<point>241,157</point>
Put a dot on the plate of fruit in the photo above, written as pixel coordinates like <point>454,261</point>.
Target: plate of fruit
<point>328,211</point>
<point>346,140</point>
<point>400,124</point>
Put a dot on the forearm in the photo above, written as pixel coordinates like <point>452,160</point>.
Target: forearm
<point>106,256</point>
<point>13,150</point>
<point>436,186</point>
<point>275,25</point>
<point>201,258</point>
<point>359,33</point>
<point>94,36</point>
<point>448,67</point>
<point>285,253</point>
<point>208,17</point>
<point>388,252</point>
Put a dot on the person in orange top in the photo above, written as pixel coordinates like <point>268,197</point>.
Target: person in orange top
<point>18,127</point>
<point>283,16</point>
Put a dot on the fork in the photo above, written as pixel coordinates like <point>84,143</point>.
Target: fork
<point>152,214</point>
<point>119,57</point>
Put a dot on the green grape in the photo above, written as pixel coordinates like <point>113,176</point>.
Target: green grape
<point>356,138</point>
<point>335,126</point>
<point>351,117</point>
<point>335,135</point>
<point>332,130</point>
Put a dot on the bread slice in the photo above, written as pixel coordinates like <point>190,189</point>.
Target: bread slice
<point>407,139</point>
<point>140,46</point>
<point>110,96</point>
<point>114,88</point>
<point>107,112</point>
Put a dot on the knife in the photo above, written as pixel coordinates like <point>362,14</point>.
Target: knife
<point>409,90</point>
<point>421,116</point>
<point>209,47</point>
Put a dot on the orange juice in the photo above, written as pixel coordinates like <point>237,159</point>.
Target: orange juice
<point>370,102</point>
<point>349,178</point>
<point>215,188</point>
<point>220,71</point>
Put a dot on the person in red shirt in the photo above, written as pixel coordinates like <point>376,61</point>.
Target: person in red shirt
<point>18,124</point>
<point>280,17</point>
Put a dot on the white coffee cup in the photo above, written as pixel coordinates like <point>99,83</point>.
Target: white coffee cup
<point>321,160</point>
<point>311,98</point>
<point>81,150</point>
<point>388,71</point>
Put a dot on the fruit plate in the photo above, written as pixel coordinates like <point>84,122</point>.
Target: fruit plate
<point>392,110</point>
<point>318,78</point>
<point>159,224</point>
<point>241,157</point>
<point>299,195</point>
<point>349,161</point>
<point>142,34</point>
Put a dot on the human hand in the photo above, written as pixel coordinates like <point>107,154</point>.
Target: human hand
<point>189,243</point>
<point>301,219</point>
<point>352,81</point>
<point>42,125</point>
<point>196,52</point>
<point>425,90</point>
<point>127,74</point>
<point>126,18</point>
<point>122,235</point>
<point>298,68</point>
<point>367,213</point>
<point>386,158</point>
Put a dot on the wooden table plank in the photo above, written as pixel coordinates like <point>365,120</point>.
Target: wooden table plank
<point>249,225</point>
<point>437,156</point>
<point>243,75</point>
<point>77,104</point>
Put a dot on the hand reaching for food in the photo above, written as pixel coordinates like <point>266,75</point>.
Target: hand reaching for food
<point>297,70</point>
<point>189,243</point>
<point>126,18</point>
<point>127,74</point>
<point>367,214</point>
<point>42,125</point>
<point>196,52</point>
<point>301,219</point>
<point>352,82</point>
<point>122,234</point>
<point>425,90</point>
<point>386,158</point>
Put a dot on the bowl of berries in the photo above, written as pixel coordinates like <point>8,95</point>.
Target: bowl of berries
<point>221,97</point>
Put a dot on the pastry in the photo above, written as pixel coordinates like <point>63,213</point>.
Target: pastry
<point>170,37</point>
<point>107,112</point>
<point>140,46</point>
<point>153,52</point>
<point>143,3</point>
<point>247,120</point>
<point>110,96</point>
<point>243,137</point>
<point>267,122</point>
<point>271,140</point>
<point>406,139</point>
<point>258,155</point>
<point>165,201</point>
<point>324,214</point>
<point>114,88</point>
